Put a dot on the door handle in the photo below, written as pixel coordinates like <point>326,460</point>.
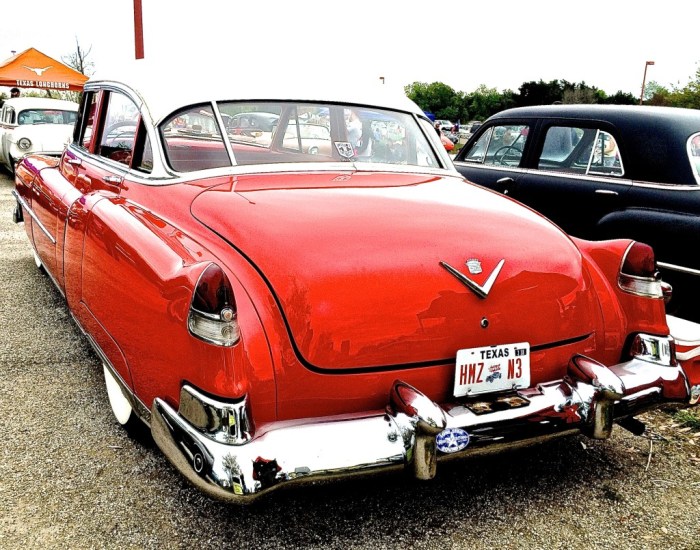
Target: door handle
<point>503,184</point>
<point>74,161</point>
<point>113,179</point>
<point>605,192</point>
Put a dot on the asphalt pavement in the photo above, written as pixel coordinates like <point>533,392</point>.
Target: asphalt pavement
<point>70,477</point>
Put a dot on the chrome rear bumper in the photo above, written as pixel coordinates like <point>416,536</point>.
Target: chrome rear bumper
<point>225,461</point>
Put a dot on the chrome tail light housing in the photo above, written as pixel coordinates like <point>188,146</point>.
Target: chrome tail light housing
<point>213,316</point>
<point>638,274</point>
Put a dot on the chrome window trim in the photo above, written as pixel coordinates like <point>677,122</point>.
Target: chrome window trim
<point>143,178</point>
<point>689,149</point>
<point>160,167</point>
<point>679,268</point>
<point>224,134</point>
<point>603,179</point>
<point>492,166</point>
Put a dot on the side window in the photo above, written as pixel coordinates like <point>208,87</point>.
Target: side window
<point>8,115</point>
<point>605,157</point>
<point>193,140</point>
<point>119,129</point>
<point>577,150</point>
<point>559,144</point>
<point>500,145</point>
<point>85,124</point>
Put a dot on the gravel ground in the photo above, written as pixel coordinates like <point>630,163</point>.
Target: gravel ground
<point>70,477</point>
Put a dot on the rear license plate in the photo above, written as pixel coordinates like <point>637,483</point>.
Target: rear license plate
<point>492,368</point>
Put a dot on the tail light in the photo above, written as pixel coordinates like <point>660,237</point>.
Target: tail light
<point>639,260</point>
<point>213,316</point>
<point>638,274</point>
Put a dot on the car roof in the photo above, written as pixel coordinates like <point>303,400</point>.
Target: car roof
<point>20,103</point>
<point>617,114</point>
<point>165,87</point>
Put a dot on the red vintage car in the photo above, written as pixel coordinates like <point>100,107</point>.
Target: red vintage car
<point>276,316</point>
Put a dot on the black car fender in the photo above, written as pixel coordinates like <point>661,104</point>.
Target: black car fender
<point>673,235</point>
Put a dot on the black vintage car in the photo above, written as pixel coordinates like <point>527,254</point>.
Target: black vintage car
<point>603,171</point>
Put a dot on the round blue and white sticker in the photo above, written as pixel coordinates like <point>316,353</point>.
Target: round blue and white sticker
<point>452,440</point>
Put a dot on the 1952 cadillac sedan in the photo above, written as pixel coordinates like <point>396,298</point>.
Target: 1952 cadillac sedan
<point>279,316</point>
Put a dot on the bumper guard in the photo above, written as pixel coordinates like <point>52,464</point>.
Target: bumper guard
<point>210,442</point>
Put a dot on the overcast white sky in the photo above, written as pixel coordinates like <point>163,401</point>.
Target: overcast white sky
<point>499,43</point>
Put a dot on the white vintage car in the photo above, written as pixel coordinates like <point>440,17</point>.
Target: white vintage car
<point>34,125</point>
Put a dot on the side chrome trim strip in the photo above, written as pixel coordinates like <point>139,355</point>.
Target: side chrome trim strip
<point>24,205</point>
<point>679,268</point>
<point>688,355</point>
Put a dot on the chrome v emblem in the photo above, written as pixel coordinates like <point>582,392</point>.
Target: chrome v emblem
<point>480,291</point>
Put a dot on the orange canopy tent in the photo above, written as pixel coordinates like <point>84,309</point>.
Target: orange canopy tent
<point>33,69</point>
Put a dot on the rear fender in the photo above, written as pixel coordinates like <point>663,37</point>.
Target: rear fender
<point>138,276</point>
<point>639,314</point>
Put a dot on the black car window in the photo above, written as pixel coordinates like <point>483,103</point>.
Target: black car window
<point>500,145</point>
<point>580,151</point>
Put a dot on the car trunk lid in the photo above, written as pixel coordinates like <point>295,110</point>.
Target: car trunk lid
<point>359,264</point>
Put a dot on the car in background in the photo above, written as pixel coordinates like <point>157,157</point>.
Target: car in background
<point>447,142</point>
<point>603,172</point>
<point>251,123</point>
<point>445,125</point>
<point>34,125</point>
<point>310,138</point>
<point>277,317</point>
<point>467,130</point>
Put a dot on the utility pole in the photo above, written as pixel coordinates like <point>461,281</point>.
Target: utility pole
<point>644,80</point>
<point>138,30</point>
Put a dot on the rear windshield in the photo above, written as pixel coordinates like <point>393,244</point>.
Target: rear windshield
<point>248,133</point>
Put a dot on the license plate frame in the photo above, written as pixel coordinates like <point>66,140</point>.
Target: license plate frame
<point>488,369</point>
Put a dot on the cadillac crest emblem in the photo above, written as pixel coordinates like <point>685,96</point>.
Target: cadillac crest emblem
<point>345,149</point>
<point>474,266</point>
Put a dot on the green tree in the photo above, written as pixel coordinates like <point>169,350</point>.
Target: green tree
<point>655,94</point>
<point>689,95</point>
<point>540,93</point>
<point>622,98</point>
<point>579,95</point>
<point>484,102</point>
<point>437,98</point>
